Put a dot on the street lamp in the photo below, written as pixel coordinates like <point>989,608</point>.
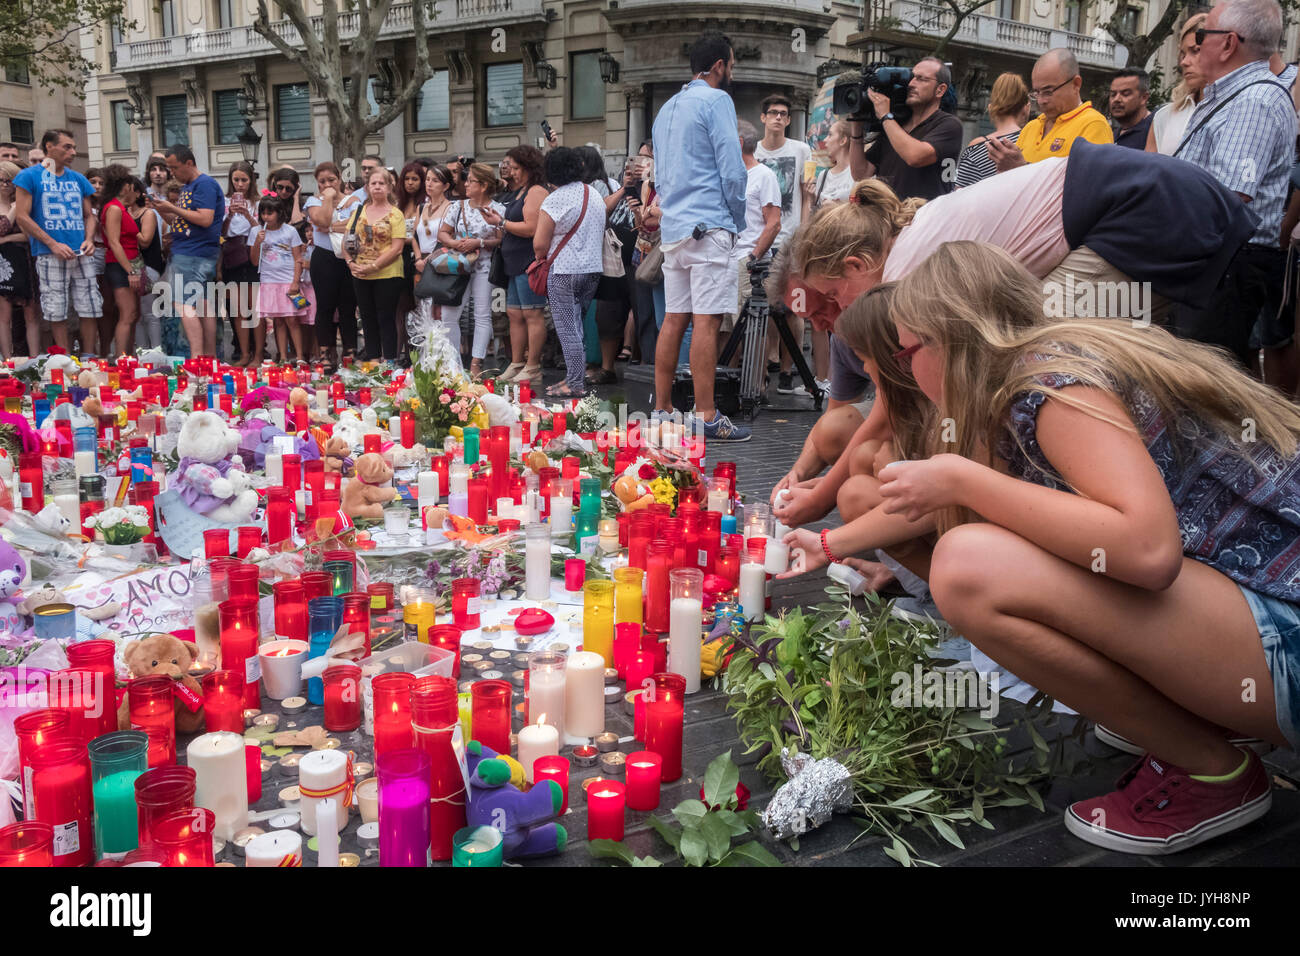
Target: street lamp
<point>608,67</point>
<point>128,113</point>
<point>245,104</point>
<point>249,140</point>
<point>546,76</point>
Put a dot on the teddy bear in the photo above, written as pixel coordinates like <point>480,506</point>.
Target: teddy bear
<point>526,820</point>
<point>300,396</point>
<point>366,494</point>
<point>210,478</point>
<point>64,362</point>
<point>337,455</point>
<point>13,574</point>
<point>169,656</point>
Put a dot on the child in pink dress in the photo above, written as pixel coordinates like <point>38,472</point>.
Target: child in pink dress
<point>276,249</point>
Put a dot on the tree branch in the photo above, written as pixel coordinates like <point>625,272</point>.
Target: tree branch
<point>311,56</point>
<point>421,72</point>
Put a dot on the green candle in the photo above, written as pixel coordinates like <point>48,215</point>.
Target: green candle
<point>476,846</point>
<point>471,444</point>
<point>116,759</point>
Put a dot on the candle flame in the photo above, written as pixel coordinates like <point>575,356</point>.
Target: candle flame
<point>541,720</point>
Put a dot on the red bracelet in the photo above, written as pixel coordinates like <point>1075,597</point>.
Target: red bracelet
<point>826,548</point>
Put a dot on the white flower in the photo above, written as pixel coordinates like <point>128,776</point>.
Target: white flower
<point>111,517</point>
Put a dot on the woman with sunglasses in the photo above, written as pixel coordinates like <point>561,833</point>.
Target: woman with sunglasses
<point>438,185</point>
<point>17,292</point>
<point>1109,533</point>
<point>473,225</point>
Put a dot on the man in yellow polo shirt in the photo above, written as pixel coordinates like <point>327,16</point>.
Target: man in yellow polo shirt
<point>1062,117</point>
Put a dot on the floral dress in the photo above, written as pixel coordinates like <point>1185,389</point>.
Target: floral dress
<point>15,265</point>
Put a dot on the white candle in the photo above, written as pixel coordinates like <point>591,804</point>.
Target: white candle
<point>777,557</point>
<point>537,740</point>
<point>505,507</point>
<point>429,490</point>
<point>278,416</point>
<point>395,427</point>
<point>537,563</point>
<point>327,832</point>
<point>319,770</point>
<point>300,499</point>
<point>719,499</point>
<point>516,438</point>
<point>275,469</point>
<point>70,507</point>
<point>368,800</point>
<point>220,779</point>
<point>84,462</point>
<point>322,398</point>
<point>459,480</point>
<point>546,696</point>
<point>561,515</point>
<point>584,694</point>
<point>276,848</point>
<point>753,590</point>
<point>685,622</point>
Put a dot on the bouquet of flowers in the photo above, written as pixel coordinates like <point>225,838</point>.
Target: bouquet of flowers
<point>126,525</point>
<point>442,401</point>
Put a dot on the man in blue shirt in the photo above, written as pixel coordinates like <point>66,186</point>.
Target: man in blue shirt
<point>52,206</point>
<point>196,243</point>
<point>700,180</point>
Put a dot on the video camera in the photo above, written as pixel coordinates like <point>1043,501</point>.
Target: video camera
<point>850,100</point>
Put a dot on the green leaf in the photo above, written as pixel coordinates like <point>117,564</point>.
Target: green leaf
<point>813,697</point>
<point>947,832</point>
<point>899,852</point>
<point>718,836</point>
<point>645,861</point>
<point>735,825</point>
<point>611,849</point>
<point>690,812</point>
<point>672,836</point>
<point>915,798</point>
<point>694,848</point>
<point>750,854</point>
<point>720,781</point>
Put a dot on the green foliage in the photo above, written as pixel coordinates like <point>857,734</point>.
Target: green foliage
<point>42,35</point>
<point>702,836</point>
<point>820,680</point>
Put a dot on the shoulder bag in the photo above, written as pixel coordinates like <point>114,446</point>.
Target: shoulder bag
<point>449,261</point>
<point>538,268</point>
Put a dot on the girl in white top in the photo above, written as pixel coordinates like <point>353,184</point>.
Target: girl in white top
<point>1170,121</point>
<point>473,224</point>
<point>277,250</point>
<point>241,217</point>
<point>329,211</point>
<point>438,185</point>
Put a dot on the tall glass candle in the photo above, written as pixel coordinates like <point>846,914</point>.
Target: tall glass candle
<point>356,616</point>
<point>598,619</point>
<point>403,807</point>
<point>491,709</point>
<point>62,797</point>
<point>221,779</point>
<point>33,729</point>
<point>554,768</point>
<point>641,531</point>
<point>325,614</point>
<point>471,445</point>
<point>317,584</point>
<point>97,657</point>
<point>627,595</point>
<point>223,701</point>
<point>392,709</point>
<point>546,677</point>
<point>643,769</point>
<point>116,760</point>
<point>584,694</point>
<point>434,718</point>
<point>290,609</point>
<point>240,633</point>
<point>291,467</point>
<point>216,543</point>
<point>685,640</point>
<point>447,636</point>
<point>659,562</point>
<point>627,641</point>
<point>605,803</point>
<point>465,603</point>
<point>477,502</point>
<point>158,792</point>
<point>537,563</point>
<point>253,771</point>
<point>30,843</point>
<point>342,690</point>
<point>753,580</point>
<point>664,717</point>
<point>150,703</point>
<point>241,580</point>
<point>186,836</point>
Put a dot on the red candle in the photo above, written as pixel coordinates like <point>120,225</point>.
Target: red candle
<point>290,609</point>
<point>97,656</point>
<point>641,531</point>
<point>29,843</point>
<point>31,481</point>
<point>525,393</point>
<point>447,636</point>
<point>248,538</point>
<point>659,561</point>
<point>392,697</point>
<point>465,604</point>
<point>569,465</point>
<point>440,466</point>
<point>575,573</point>
<point>553,768</point>
<point>342,697</point>
<point>726,469</point>
<point>313,477</point>
<point>186,836</point>
<point>291,468</point>
<point>478,500</point>
<point>605,801</point>
<point>664,716</point>
<point>363,397</point>
<point>223,701</point>
<point>407,420</point>
<point>300,419</point>
<point>253,772</point>
<point>490,714</point>
<point>153,711</point>
<point>434,717</point>
<point>33,729</point>
<point>627,642</point>
<point>279,515</point>
<point>240,632</point>
<point>216,543</point>
<point>56,376</point>
<point>356,615</point>
<point>373,443</point>
<point>241,582</point>
<point>159,792</point>
<point>499,455</point>
<point>644,768</point>
<point>83,694</point>
<point>61,797</point>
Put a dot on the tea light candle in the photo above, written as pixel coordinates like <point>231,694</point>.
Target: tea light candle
<point>523,642</point>
<point>629,702</point>
<point>368,836</point>
<point>606,742</point>
<point>243,837</point>
<point>584,698</point>
<point>251,714</point>
<point>284,821</point>
<point>585,755</point>
<point>605,802</point>
<point>368,799</point>
<point>290,797</point>
<point>362,769</point>
<point>612,763</point>
<point>476,846</point>
<point>293,705</point>
<point>349,860</point>
<point>269,721</point>
<point>611,675</point>
<point>537,740</point>
<point>643,770</point>
<point>289,764</point>
<point>278,848</point>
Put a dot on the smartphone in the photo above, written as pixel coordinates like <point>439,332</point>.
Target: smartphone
<point>546,130</point>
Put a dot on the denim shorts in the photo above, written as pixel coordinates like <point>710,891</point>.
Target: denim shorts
<point>520,296</point>
<point>189,276</point>
<point>1279,630</point>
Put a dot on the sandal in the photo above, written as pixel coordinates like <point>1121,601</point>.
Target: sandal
<point>555,391</point>
<point>529,374</point>
<point>625,355</point>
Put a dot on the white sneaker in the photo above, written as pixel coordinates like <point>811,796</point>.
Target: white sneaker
<point>1112,739</point>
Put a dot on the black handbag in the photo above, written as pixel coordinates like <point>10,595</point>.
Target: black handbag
<point>442,288</point>
<point>497,270</point>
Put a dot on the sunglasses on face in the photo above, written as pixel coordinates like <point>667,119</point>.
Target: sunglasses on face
<point>904,356</point>
<point>1203,33</point>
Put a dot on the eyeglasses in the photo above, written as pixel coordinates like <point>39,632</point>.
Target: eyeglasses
<point>781,114</point>
<point>1203,33</point>
<point>904,356</point>
<point>284,188</point>
<point>1048,91</point>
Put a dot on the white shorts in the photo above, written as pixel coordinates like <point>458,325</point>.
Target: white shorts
<point>700,275</point>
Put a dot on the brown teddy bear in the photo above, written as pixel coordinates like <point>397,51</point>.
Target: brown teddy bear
<point>367,493</point>
<point>337,455</point>
<point>300,396</point>
<point>170,656</point>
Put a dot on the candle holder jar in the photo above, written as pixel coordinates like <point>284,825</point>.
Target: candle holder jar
<point>62,797</point>
<point>33,729</point>
<point>665,704</point>
<point>340,573</point>
<point>290,602</point>
<point>246,539</point>
<point>391,694</point>
<point>447,636</point>
<point>477,846</point>
<point>279,515</point>
<point>216,543</point>
<point>342,693</point>
<point>325,614</point>
<point>553,768</point>
<point>627,595</point>
<point>356,616</point>
<point>223,701</point>
<point>241,630</point>
<point>491,714</point>
<point>317,584</point>
<point>644,769</point>
<point>116,761</point>
<point>158,792</point>
<point>605,810</point>
<point>242,581</point>
<point>546,675</point>
<point>404,789</point>
<point>186,836</point>
<point>435,716</point>
<point>598,619</point>
<point>466,603</point>
<point>30,843</point>
<point>152,710</point>
<point>685,642</point>
<point>659,562</point>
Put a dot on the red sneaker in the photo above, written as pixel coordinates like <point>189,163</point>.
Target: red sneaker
<point>1160,809</point>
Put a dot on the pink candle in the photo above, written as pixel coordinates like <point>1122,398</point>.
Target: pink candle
<point>605,810</point>
<point>553,768</point>
<point>644,768</point>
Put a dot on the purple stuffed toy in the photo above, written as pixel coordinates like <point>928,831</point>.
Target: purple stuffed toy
<point>524,819</point>
<point>13,572</point>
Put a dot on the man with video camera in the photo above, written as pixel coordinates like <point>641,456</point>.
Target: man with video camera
<point>915,155</point>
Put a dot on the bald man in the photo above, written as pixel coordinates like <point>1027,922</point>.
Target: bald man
<point>1062,116</point>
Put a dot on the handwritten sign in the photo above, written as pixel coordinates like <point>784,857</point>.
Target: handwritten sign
<point>156,599</point>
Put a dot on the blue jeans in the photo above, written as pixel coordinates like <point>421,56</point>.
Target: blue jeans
<point>1279,631</point>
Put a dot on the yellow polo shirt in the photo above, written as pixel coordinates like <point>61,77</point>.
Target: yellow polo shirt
<point>1083,122</point>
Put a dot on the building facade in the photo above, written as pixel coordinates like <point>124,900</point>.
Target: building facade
<point>27,110</point>
<point>503,66</point>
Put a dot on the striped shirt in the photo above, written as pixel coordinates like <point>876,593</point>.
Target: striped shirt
<point>1248,145</point>
<point>976,163</point>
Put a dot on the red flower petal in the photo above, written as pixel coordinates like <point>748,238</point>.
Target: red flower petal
<point>647,472</point>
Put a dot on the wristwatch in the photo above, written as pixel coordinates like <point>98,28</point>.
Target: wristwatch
<point>888,116</point>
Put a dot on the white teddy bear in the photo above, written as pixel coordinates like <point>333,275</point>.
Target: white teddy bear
<point>210,477</point>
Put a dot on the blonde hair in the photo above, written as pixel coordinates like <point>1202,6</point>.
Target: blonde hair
<point>487,175</point>
<point>984,311</point>
<point>1194,23</point>
<point>9,169</point>
<point>389,178</point>
<point>1009,96</point>
<point>864,227</point>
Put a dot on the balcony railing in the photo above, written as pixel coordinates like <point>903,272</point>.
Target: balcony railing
<point>997,33</point>
<point>208,45</point>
